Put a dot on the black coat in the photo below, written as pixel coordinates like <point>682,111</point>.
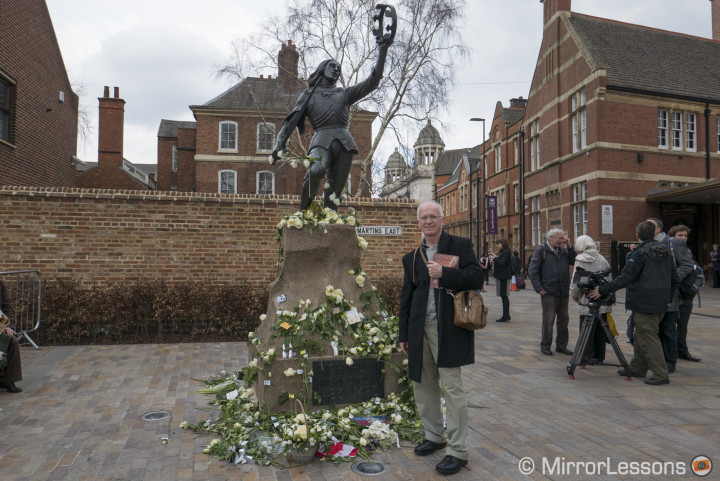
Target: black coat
<point>550,271</point>
<point>456,346</point>
<point>502,266</point>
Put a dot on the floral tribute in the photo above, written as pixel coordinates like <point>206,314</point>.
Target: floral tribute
<point>249,432</point>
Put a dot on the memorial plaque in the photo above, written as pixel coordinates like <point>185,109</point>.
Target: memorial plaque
<point>337,383</point>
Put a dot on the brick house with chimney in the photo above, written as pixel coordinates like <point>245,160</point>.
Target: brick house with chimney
<point>622,123</point>
<point>38,109</point>
<point>226,149</point>
<point>112,170</point>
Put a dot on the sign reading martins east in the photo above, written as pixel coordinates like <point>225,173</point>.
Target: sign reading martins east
<point>379,230</point>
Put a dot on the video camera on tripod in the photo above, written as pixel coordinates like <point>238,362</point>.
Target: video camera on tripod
<point>588,281</point>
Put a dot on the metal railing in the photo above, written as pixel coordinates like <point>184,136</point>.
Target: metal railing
<point>26,290</point>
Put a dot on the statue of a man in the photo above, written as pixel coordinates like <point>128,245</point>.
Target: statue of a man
<point>327,106</point>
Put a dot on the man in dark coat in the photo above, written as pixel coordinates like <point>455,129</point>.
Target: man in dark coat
<point>651,279</point>
<point>13,371</point>
<point>436,348</point>
<point>549,273</point>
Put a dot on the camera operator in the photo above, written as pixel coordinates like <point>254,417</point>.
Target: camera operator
<point>591,260</point>
<point>652,281</point>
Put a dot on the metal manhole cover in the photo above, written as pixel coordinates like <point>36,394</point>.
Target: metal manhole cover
<point>155,415</point>
<point>369,469</point>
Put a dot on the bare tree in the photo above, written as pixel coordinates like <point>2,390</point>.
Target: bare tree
<point>421,64</point>
<point>85,127</point>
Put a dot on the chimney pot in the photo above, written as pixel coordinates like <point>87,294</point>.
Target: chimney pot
<point>106,92</point>
<point>117,92</point>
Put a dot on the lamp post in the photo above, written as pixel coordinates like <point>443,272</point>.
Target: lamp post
<point>484,176</point>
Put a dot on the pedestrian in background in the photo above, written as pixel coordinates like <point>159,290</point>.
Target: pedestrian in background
<point>502,272</point>
<point>686,302</point>
<point>715,259</point>
<point>549,273</point>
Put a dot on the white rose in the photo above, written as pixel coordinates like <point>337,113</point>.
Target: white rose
<point>351,220</point>
<point>289,372</point>
<point>306,163</point>
<point>348,361</point>
<point>263,317</point>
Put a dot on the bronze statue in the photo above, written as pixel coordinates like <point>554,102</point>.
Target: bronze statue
<point>328,108</point>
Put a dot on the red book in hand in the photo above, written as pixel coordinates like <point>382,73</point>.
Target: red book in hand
<point>446,260</point>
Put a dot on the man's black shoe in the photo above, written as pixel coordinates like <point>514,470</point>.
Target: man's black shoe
<point>450,465</point>
<point>625,373</point>
<point>502,319</point>
<point>689,357</point>
<point>564,351</point>
<point>546,351</point>
<point>428,447</point>
<point>10,386</point>
<point>671,367</point>
<point>653,381</point>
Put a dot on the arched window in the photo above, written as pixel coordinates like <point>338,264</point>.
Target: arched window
<point>227,182</point>
<point>265,182</point>
<point>227,138</point>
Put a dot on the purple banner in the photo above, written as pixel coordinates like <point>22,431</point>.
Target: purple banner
<point>492,224</point>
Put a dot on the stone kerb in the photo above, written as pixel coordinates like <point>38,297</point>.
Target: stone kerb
<point>312,260</point>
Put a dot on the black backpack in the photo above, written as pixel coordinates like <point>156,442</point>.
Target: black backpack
<point>691,284</point>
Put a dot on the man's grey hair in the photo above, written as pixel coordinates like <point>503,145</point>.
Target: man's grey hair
<point>656,221</point>
<point>552,233</point>
<point>585,243</point>
<point>430,202</point>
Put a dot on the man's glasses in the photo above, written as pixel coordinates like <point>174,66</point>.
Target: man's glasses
<point>426,218</point>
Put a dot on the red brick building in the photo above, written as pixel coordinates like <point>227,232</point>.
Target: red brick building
<point>226,149</point>
<point>622,120</point>
<point>38,109</point>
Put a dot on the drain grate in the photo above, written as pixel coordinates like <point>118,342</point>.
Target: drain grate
<point>369,468</point>
<point>155,415</point>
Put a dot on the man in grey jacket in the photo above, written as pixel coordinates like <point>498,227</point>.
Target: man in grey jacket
<point>549,272</point>
<point>684,265</point>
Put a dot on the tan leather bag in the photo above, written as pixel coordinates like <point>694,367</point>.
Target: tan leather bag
<point>470,310</point>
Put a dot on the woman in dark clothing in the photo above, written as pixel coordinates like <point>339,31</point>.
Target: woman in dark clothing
<point>502,271</point>
<point>485,264</point>
<point>12,372</point>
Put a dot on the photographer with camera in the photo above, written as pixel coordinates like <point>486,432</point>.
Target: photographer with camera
<point>652,281</point>
<point>589,259</point>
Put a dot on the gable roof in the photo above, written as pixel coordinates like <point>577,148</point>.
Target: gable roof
<point>169,128</point>
<point>643,59</point>
<point>456,173</point>
<point>450,159</point>
<point>256,94</point>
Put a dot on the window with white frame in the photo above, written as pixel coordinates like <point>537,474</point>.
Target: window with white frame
<point>452,206</point>
<point>174,158</point>
<point>500,202</point>
<point>677,137</point>
<point>265,182</point>
<point>265,137</point>
<point>579,122</point>
<point>663,129</point>
<point>690,132</point>
<point>580,224</point>
<point>227,140</point>
<point>227,182</point>
<point>718,133</point>
<point>516,152</point>
<point>516,195</point>
<point>498,157</point>
<point>535,226</point>
<point>474,194</point>
<point>534,145</point>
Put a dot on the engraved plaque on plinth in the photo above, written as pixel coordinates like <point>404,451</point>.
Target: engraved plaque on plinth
<point>337,383</point>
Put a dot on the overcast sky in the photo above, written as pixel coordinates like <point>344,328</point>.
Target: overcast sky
<point>162,53</point>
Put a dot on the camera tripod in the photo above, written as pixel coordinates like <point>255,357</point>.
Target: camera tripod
<point>590,320</point>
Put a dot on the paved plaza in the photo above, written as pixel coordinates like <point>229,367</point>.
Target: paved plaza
<point>80,415</point>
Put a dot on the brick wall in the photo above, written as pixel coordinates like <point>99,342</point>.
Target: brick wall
<point>104,235</point>
<point>43,138</point>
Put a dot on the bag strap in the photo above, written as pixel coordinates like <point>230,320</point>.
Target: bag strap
<point>422,254</point>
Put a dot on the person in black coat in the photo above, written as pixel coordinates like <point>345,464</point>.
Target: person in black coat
<point>436,348</point>
<point>502,272</point>
<point>12,372</point>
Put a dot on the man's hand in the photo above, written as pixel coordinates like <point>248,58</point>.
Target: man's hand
<point>594,294</point>
<point>543,292</point>
<point>403,347</point>
<point>8,331</point>
<point>435,270</point>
